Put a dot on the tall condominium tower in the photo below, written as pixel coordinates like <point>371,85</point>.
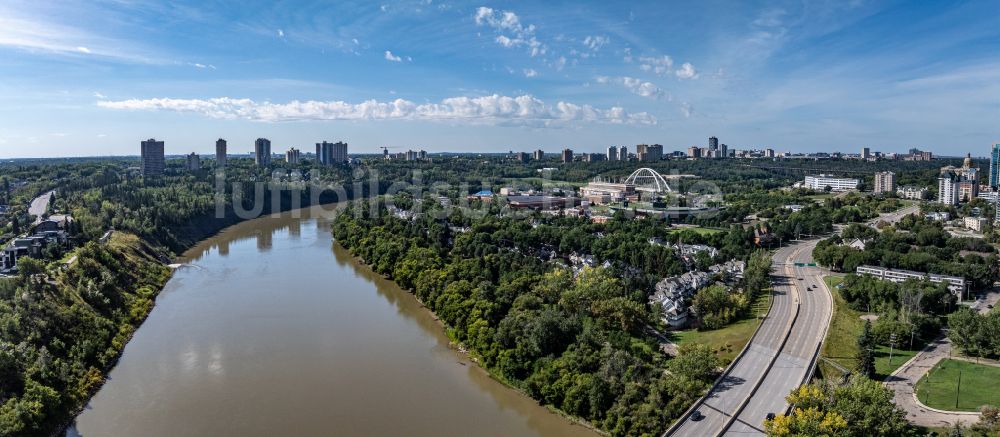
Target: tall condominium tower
<point>623,153</point>
<point>152,157</point>
<point>262,151</point>
<point>332,153</point>
<point>713,143</point>
<point>612,153</point>
<point>220,153</point>
<point>995,166</point>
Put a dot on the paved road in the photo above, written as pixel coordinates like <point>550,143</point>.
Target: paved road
<point>39,205</point>
<point>793,366</point>
<point>903,381</point>
<point>897,215</point>
<point>727,399</point>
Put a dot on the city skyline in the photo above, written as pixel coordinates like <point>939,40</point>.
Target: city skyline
<point>492,77</point>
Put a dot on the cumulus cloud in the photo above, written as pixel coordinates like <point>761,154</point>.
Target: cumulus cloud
<point>595,43</point>
<point>686,71</point>
<point>509,29</point>
<point>391,57</point>
<point>657,64</point>
<point>635,86</point>
<point>493,109</point>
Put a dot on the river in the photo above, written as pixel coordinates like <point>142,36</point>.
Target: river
<point>271,329</point>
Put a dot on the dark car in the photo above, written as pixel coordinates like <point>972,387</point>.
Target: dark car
<point>696,416</point>
<point>770,416</point>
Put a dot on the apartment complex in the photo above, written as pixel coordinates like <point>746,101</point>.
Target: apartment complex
<point>151,157</point>
<point>567,155</point>
<point>331,153</point>
<point>293,156</point>
<point>885,182</point>
<point>193,162</point>
<point>220,153</point>
<point>262,151</point>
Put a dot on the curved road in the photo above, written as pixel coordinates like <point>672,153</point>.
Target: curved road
<point>776,360</point>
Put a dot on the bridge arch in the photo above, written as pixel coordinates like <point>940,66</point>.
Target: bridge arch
<point>647,179</point>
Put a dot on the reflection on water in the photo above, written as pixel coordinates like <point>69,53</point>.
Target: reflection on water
<point>280,332</point>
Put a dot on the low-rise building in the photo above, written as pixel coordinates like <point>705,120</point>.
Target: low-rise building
<point>976,223</point>
<point>822,181</point>
<point>913,193</point>
<point>956,285</point>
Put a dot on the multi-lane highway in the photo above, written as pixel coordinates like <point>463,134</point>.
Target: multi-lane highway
<point>778,357</point>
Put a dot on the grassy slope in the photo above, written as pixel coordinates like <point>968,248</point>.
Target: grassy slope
<point>938,389</point>
<point>728,341</point>
<point>841,340</point>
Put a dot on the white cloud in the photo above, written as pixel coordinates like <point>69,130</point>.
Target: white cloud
<point>391,57</point>
<point>202,66</point>
<point>658,64</point>
<point>281,33</point>
<point>510,31</point>
<point>83,49</point>
<point>492,109</point>
<point>686,71</point>
<point>636,86</point>
<point>530,72</point>
<point>687,109</point>
<point>595,43</point>
<point>99,95</point>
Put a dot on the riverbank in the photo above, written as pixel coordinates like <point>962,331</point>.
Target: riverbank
<point>458,347</point>
<point>277,326</point>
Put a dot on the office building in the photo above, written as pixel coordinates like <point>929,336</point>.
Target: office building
<point>220,153</point>
<point>694,152</point>
<point>539,155</point>
<point>723,151</point>
<point>334,153</point>
<point>151,157</point>
<point>948,188</point>
<point>521,157</point>
<point>612,153</point>
<point>713,143</point>
<point>769,153</point>
<point>193,162</point>
<point>623,153</point>
<point>599,192</point>
<point>866,153</point>
<point>293,156</point>
<point>995,166</point>
<point>820,182</point>
<point>567,155</point>
<point>885,182</point>
<point>262,152</point>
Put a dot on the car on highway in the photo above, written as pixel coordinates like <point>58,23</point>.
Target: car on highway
<point>696,416</point>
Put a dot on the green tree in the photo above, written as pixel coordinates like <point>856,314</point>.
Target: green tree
<point>866,352</point>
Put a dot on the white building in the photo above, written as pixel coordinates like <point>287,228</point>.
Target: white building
<point>820,182</point>
<point>957,285</point>
<point>948,189</point>
<point>912,193</point>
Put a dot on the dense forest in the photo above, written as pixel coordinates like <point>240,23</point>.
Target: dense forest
<point>62,326</point>
<point>576,339</point>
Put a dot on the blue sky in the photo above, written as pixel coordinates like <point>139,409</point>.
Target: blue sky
<point>81,78</point>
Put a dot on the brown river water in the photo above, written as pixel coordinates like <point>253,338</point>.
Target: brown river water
<point>270,329</point>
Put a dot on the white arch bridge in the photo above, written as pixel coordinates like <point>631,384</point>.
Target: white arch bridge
<point>647,179</point>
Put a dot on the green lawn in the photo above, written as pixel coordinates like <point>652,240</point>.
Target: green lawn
<point>699,230</point>
<point>728,341</point>
<point>842,339</point>
<point>939,388</point>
